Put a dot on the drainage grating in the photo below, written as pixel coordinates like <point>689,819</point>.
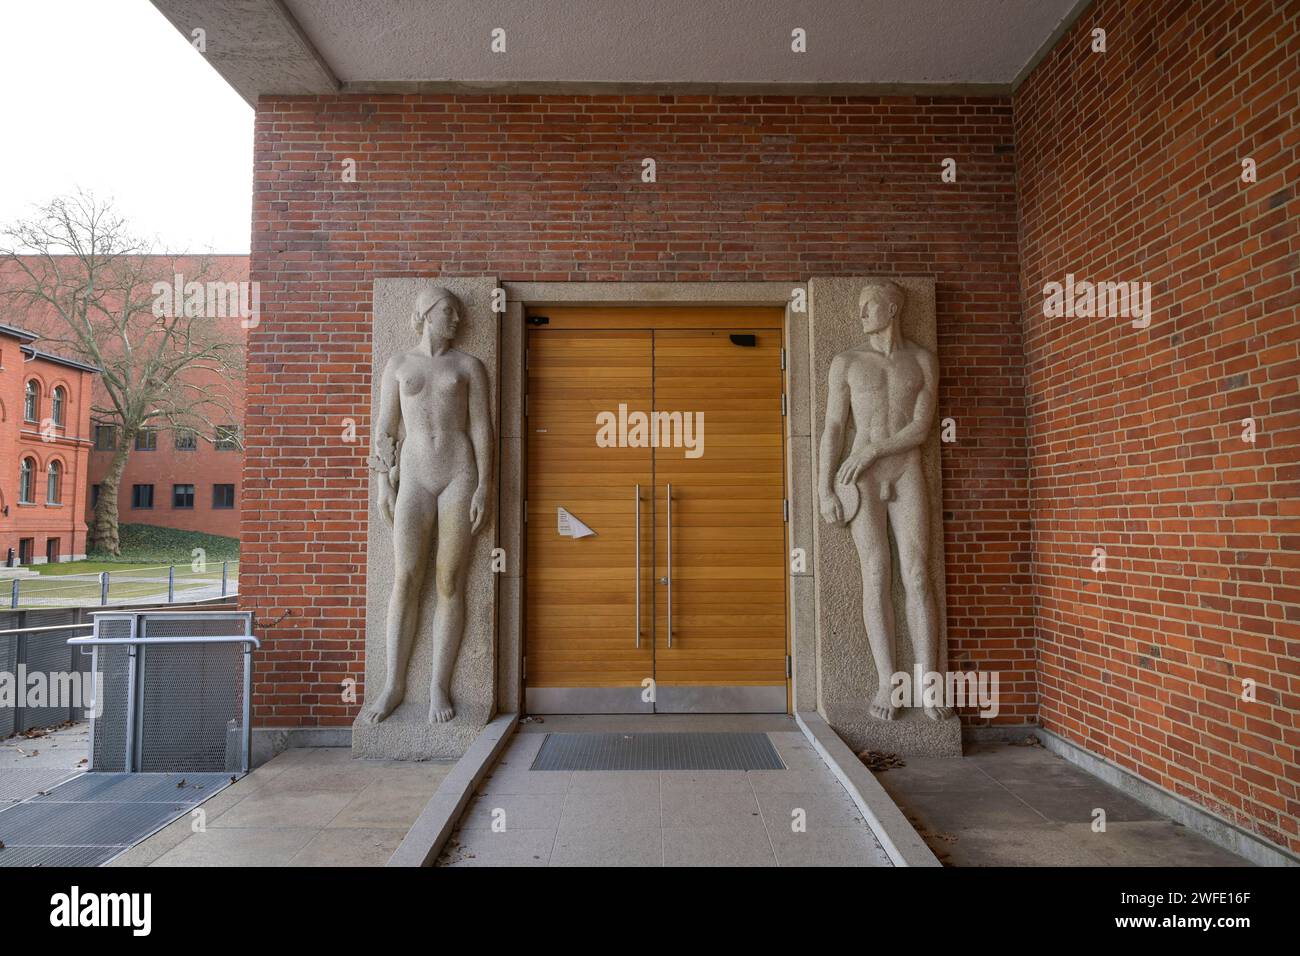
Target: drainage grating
<point>682,751</point>
<point>94,817</point>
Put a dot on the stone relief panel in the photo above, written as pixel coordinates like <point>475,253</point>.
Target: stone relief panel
<point>879,545</point>
<point>431,588</point>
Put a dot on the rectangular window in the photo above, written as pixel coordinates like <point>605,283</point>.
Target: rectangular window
<point>105,437</point>
<point>142,496</point>
<point>186,440</point>
<point>94,496</point>
<point>223,496</point>
<point>182,496</point>
<point>146,439</point>
<point>227,438</point>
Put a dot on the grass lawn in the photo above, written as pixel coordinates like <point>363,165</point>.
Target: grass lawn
<point>140,571</point>
<point>149,544</point>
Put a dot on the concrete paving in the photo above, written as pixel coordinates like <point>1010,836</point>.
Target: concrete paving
<point>1005,804</point>
<point>800,816</point>
<point>67,748</point>
<point>316,806</point>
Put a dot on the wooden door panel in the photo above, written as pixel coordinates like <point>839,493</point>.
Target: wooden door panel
<point>728,525</point>
<point>580,612</point>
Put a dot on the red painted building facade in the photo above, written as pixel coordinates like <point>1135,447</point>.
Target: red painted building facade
<point>189,479</point>
<point>45,439</point>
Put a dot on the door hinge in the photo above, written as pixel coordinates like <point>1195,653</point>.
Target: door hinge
<point>783,404</point>
<point>783,360</point>
<point>524,665</point>
<point>785,509</point>
<point>525,404</point>
<point>525,511</point>
<point>789,667</point>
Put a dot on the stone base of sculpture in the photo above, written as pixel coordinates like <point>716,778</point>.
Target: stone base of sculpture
<point>407,734</point>
<point>911,733</point>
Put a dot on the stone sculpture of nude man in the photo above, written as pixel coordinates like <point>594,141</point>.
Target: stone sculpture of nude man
<point>889,385</point>
<point>433,456</point>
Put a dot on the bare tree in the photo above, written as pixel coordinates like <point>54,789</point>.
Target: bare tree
<point>91,286</point>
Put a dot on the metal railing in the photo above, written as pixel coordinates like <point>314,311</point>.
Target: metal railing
<point>160,584</point>
<point>169,690</point>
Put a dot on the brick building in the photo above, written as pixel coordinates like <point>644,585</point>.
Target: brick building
<point>185,478</point>
<point>44,448</point>
<point>1073,435</point>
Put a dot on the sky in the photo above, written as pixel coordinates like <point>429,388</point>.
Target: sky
<point>106,95</point>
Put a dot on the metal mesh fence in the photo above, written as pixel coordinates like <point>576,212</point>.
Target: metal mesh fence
<point>186,707</point>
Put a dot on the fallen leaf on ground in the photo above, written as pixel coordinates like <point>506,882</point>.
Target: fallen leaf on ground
<point>877,761</point>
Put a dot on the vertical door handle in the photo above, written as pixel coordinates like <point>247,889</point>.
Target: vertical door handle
<point>670,565</point>
<point>638,566</point>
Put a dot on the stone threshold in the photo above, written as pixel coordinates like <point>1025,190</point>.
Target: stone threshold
<point>896,835</point>
<point>425,839</point>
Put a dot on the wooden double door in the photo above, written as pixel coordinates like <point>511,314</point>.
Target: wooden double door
<point>660,432</point>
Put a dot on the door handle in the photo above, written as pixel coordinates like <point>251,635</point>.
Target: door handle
<point>638,566</point>
<point>670,565</point>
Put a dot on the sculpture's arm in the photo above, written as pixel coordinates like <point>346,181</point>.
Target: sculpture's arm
<point>832,442</point>
<point>385,460</point>
<point>480,436</point>
<point>914,432</point>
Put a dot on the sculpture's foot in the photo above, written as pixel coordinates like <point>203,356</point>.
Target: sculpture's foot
<point>938,713</point>
<point>881,707</point>
<point>440,709</point>
<point>383,705</point>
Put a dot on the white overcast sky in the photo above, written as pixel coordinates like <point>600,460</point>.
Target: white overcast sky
<point>108,96</point>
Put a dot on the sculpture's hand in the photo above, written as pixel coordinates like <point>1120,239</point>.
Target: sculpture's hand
<point>832,510</point>
<point>387,499</point>
<point>856,464</point>
<point>477,509</point>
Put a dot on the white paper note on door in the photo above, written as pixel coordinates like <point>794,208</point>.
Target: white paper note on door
<point>571,527</point>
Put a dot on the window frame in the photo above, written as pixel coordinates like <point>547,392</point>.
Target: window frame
<point>27,480</point>
<point>54,483</point>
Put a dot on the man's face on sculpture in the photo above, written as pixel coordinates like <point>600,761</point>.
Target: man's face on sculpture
<point>878,307</point>
<point>442,318</point>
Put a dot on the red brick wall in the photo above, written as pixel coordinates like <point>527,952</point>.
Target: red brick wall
<point>548,188</point>
<point>1129,166</point>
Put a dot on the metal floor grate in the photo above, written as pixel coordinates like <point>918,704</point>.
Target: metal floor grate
<point>17,784</point>
<point>94,817</point>
<point>681,751</point>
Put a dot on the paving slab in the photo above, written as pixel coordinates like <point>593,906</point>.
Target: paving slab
<point>314,806</point>
<point>663,818</point>
<point>1012,805</point>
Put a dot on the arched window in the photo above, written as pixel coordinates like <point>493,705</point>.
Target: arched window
<point>32,401</point>
<point>27,481</point>
<point>56,405</point>
<point>54,483</point>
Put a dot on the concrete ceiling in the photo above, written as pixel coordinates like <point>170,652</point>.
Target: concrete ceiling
<point>321,46</point>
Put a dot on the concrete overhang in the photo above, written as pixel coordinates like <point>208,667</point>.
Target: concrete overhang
<point>940,47</point>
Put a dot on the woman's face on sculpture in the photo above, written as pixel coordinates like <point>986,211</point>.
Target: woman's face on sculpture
<point>442,319</point>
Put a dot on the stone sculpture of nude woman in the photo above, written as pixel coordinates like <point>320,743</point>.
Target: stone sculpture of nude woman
<point>433,459</point>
